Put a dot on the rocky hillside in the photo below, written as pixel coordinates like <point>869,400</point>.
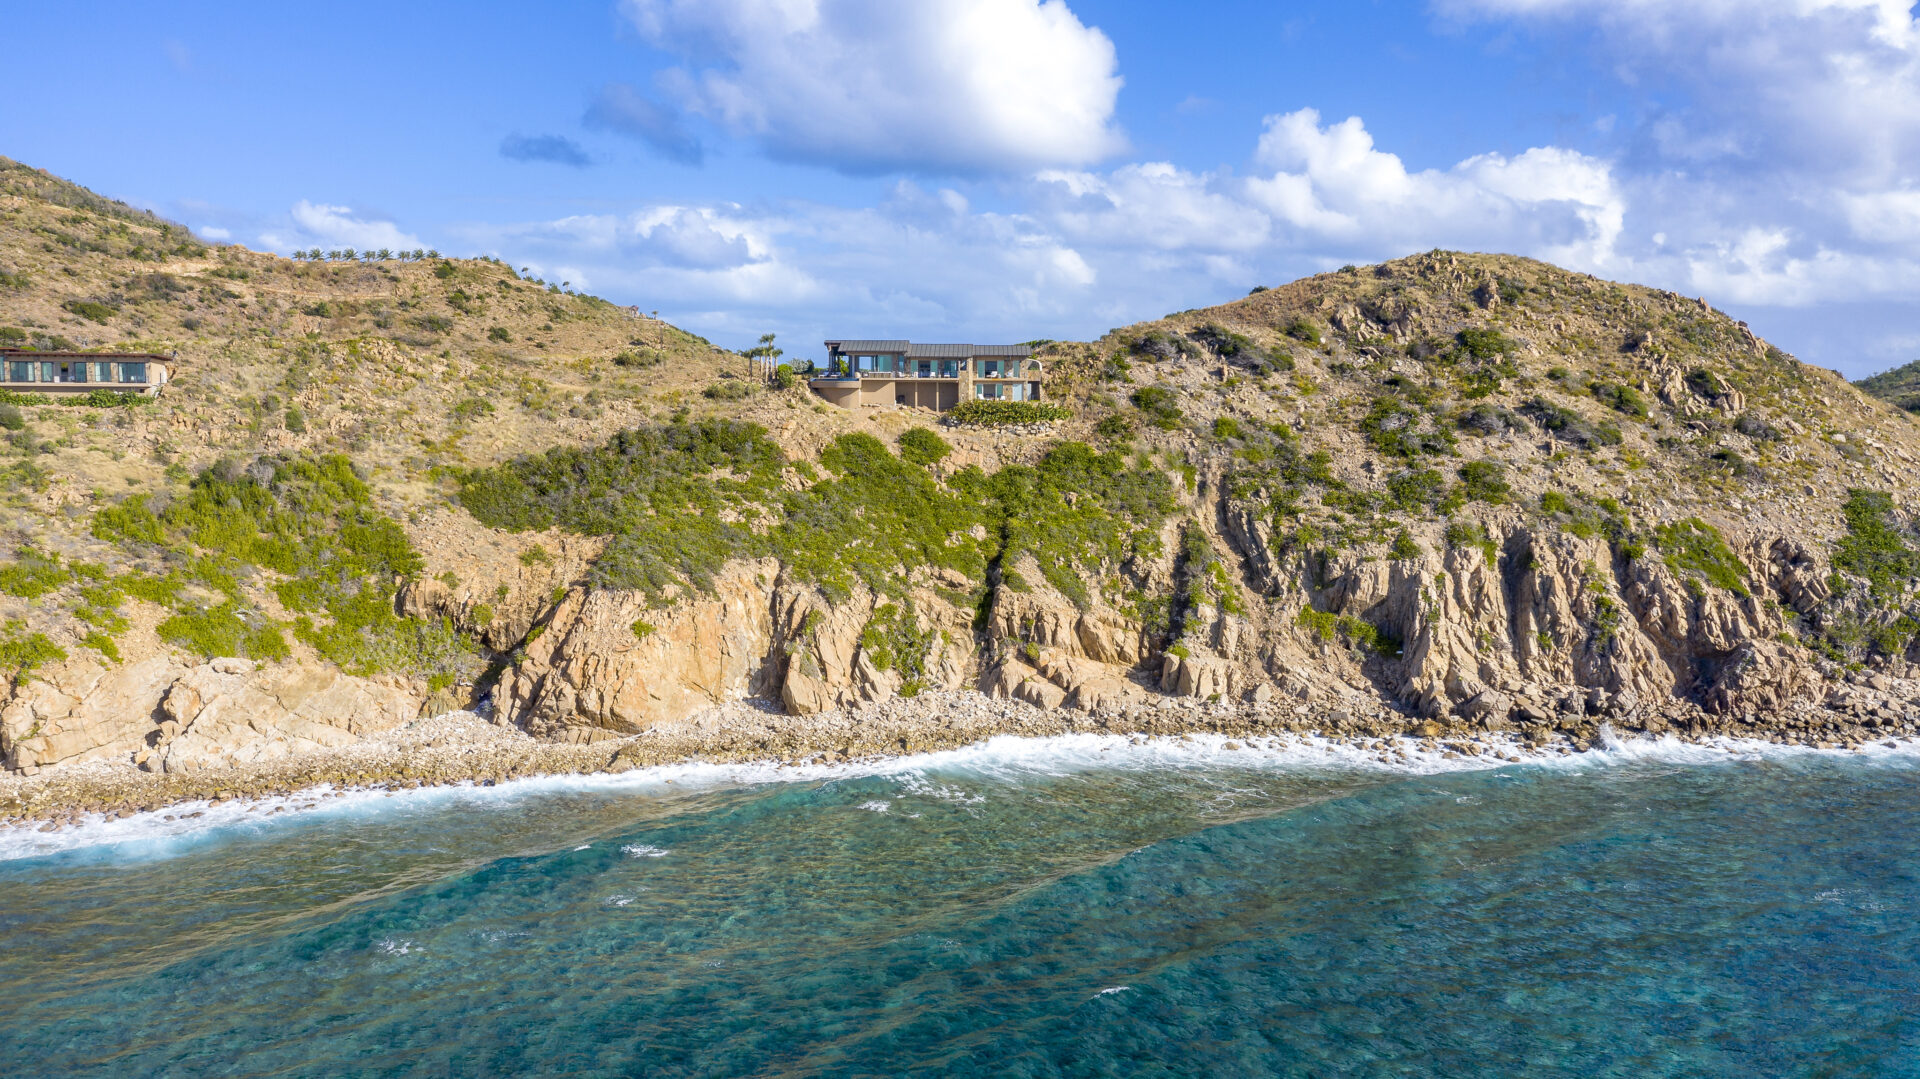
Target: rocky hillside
<point>1446,491</point>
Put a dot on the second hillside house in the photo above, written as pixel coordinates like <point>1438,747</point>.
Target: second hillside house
<point>886,372</point>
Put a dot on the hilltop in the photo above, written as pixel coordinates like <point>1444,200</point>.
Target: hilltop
<point>1446,494</point>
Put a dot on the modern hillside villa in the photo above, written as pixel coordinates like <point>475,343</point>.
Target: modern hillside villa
<point>28,371</point>
<point>926,376</point>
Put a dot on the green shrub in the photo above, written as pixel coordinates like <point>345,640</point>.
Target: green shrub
<point>894,641</point>
<point>1116,427</point>
<point>1302,329</point>
<point>23,653</point>
<point>1419,491</point>
<point>1397,429</point>
<point>1567,425</point>
<point>784,378</point>
<point>33,574</point>
<point>1225,427</point>
<point>335,559</point>
<point>1620,398</point>
<point>1357,633</point>
<point>1875,547</point>
<point>470,409</point>
<point>1156,403</point>
<point>90,310</point>
<point>1694,546</point>
<point>1003,413</point>
<point>1484,481</point>
<point>642,630</point>
<point>640,358</point>
<point>1468,534</point>
<point>727,390</point>
<point>11,419</point>
<point>221,631</point>
<point>296,421</point>
<point>1404,547</point>
<point>922,447</point>
<point>1485,344</point>
<point>1162,345</point>
<point>443,270</point>
<point>498,333</point>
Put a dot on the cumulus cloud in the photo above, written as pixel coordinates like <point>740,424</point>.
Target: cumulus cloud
<point>1820,87</point>
<point>620,108</point>
<point>968,86</point>
<point>554,149</point>
<point>326,224</point>
<point>1331,184</point>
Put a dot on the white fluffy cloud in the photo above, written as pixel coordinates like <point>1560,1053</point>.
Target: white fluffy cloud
<point>1331,185</point>
<point>323,224</point>
<point>1827,88</point>
<point>865,85</point>
<point>1083,249</point>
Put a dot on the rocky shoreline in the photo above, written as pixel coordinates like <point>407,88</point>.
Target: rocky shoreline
<point>462,747</point>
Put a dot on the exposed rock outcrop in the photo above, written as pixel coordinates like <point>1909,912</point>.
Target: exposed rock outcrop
<point>175,718</point>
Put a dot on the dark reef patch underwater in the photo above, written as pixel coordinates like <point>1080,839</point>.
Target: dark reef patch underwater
<point>1075,906</point>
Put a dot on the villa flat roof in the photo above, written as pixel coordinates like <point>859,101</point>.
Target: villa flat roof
<point>929,351</point>
<point>49,354</point>
<point>867,346</point>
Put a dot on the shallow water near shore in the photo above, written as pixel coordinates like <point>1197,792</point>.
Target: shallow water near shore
<point>1072,906</point>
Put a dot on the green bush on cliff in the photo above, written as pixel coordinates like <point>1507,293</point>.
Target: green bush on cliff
<point>895,641</point>
<point>922,447</point>
<point>328,555</point>
<point>1694,546</point>
<point>221,631</point>
<point>22,653</point>
<point>1875,547</point>
<point>875,518</point>
<point>33,574</point>
<point>1076,511</point>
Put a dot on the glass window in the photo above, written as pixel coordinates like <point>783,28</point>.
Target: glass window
<point>988,368</point>
<point>20,371</point>
<point>46,370</point>
<point>103,372</point>
<point>133,372</point>
<point>74,372</point>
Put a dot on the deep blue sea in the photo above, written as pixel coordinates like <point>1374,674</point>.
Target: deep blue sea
<point>1073,907</point>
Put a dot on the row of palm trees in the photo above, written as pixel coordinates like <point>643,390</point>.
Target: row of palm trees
<point>348,254</point>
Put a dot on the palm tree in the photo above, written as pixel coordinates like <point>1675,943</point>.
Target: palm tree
<point>762,351</point>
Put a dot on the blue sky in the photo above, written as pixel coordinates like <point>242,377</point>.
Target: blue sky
<point>1010,169</point>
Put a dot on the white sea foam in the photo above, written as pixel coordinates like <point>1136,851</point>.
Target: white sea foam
<point>876,806</point>
<point>945,775</point>
<point>642,850</point>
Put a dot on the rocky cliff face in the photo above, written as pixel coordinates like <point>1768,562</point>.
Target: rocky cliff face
<point>175,718</point>
<point>1457,490</point>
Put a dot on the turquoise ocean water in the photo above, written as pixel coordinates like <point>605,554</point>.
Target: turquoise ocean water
<point>1072,907</point>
